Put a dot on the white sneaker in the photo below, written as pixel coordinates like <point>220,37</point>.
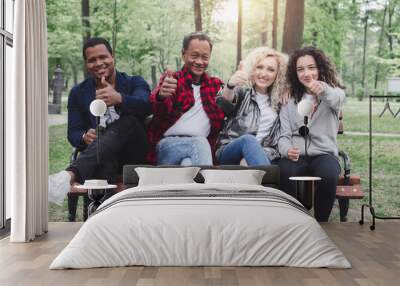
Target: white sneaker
<point>59,186</point>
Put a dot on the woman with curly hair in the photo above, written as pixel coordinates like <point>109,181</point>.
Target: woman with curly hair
<point>311,76</point>
<point>251,101</point>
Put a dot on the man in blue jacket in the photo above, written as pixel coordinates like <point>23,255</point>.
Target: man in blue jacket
<point>122,135</point>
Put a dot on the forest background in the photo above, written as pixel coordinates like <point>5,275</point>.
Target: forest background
<point>361,36</point>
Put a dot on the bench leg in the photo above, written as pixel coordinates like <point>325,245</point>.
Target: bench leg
<point>72,204</point>
<point>344,208</point>
<point>86,202</point>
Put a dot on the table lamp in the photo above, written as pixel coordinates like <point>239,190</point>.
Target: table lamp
<point>98,108</point>
<point>305,108</point>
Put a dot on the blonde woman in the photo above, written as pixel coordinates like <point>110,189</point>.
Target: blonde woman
<point>251,101</point>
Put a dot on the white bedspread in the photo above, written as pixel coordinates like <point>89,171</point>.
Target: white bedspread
<point>181,230</point>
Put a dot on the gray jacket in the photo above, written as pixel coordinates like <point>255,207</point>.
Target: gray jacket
<point>323,125</point>
<point>244,119</point>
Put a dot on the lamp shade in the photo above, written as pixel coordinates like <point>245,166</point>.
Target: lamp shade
<point>305,107</point>
<point>98,107</point>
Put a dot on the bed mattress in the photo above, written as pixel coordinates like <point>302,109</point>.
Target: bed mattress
<point>201,225</point>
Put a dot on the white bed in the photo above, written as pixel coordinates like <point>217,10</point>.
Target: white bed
<point>201,224</point>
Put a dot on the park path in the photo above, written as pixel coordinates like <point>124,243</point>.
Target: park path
<point>355,133</point>
<point>57,119</point>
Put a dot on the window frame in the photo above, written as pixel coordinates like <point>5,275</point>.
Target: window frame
<point>6,39</point>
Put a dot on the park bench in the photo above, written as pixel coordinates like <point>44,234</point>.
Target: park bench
<point>349,186</point>
<point>74,194</point>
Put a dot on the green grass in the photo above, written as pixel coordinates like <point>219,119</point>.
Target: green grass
<point>59,148</point>
<point>355,116</point>
<point>59,154</point>
<point>386,153</point>
<point>64,103</point>
<point>60,213</point>
<point>386,171</point>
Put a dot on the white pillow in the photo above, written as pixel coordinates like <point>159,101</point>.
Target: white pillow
<point>166,176</point>
<point>248,177</point>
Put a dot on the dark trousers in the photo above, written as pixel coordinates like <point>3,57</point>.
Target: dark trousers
<point>123,142</point>
<point>324,166</point>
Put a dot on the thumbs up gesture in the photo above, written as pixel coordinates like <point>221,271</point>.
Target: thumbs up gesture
<point>169,85</point>
<point>108,94</point>
<point>240,77</point>
<point>316,87</point>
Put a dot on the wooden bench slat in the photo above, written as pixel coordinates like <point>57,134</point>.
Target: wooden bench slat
<point>354,180</point>
<point>349,192</point>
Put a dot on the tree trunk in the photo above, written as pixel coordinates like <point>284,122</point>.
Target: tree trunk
<point>380,45</point>
<point>85,26</point>
<point>353,67</point>
<point>114,32</point>
<point>353,84</point>
<point>161,65</point>
<point>153,76</point>
<point>337,51</point>
<point>197,15</point>
<point>264,31</point>
<point>264,37</point>
<point>314,38</point>
<point>365,49</point>
<point>275,25</point>
<point>178,63</point>
<point>294,25</point>
<point>354,47</point>
<point>389,30</point>
<point>239,34</point>
<point>74,71</point>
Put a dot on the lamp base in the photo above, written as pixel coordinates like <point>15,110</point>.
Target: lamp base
<point>305,187</point>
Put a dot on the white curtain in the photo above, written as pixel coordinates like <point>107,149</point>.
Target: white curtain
<point>26,124</point>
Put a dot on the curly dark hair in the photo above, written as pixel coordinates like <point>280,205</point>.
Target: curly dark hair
<point>326,70</point>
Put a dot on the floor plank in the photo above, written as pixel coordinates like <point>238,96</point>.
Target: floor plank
<point>374,255</point>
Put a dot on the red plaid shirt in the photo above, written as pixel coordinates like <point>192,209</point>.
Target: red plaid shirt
<point>169,110</point>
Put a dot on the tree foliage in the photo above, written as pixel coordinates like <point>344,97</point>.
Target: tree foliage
<point>64,37</point>
<point>325,26</point>
<point>149,34</point>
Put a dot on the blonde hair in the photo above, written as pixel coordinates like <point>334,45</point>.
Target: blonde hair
<point>279,86</point>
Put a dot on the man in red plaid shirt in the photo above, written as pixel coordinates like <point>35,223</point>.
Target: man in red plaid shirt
<point>186,120</point>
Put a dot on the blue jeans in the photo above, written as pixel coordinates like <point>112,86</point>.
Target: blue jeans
<point>185,151</point>
<point>247,147</point>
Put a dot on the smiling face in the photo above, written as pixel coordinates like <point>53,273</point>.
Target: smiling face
<point>307,70</point>
<point>100,62</point>
<point>264,74</point>
<point>196,58</point>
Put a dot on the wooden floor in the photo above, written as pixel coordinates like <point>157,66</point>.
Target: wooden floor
<point>374,255</point>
